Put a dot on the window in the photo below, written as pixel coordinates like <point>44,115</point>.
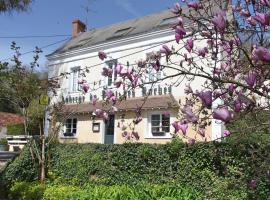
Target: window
<point>71,127</point>
<point>75,75</point>
<point>160,124</point>
<point>112,64</point>
<point>153,75</point>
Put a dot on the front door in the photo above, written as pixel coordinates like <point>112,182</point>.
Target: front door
<point>109,130</point>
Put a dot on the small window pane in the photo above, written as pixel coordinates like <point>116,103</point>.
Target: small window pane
<point>155,117</point>
<point>166,129</point>
<point>155,123</point>
<point>155,129</point>
<point>68,130</point>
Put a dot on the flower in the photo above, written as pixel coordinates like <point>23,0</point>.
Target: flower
<point>114,109</point>
<point>226,133</point>
<point>165,50</point>
<point>109,94</point>
<point>94,100</point>
<point>268,173</point>
<point>222,114</point>
<point>219,22</point>
<point>118,68</point>
<point>251,21</point>
<point>202,52</point>
<point>263,18</point>
<point>135,135</point>
<point>206,98</point>
<point>176,9</point>
<point>118,84</point>
<point>183,127</point>
<point>237,105</point>
<point>244,13</point>
<point>107,72</point>
<point>261,53</point>
<point>250,78</point>
<point>85,88</point>
<point>166,113</point>
<point>189,115</point>
<point>180,32</point>
<point>231,89</point>
<point>191,141</point>
<point>194,5</point>
<point>176,126</point>
<point>189,45</point>
<point>102,55</point>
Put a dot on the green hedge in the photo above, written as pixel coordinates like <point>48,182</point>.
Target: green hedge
<point>217,170</point>
<point>15,129</point>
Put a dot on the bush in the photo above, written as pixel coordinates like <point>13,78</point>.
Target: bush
<point>15,129</point>
<point>3,141</point>
<point>125,192</point>
<point>26,191</point>
<point>217,170</point>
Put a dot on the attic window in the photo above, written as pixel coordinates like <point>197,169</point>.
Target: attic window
<point>121,32</point>
<point>167,21</point>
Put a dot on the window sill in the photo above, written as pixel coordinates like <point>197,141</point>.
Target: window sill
<point>68,137</point>
<point>158,137</point>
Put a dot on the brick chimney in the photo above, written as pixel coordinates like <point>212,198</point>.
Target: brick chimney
<point>77,27</point>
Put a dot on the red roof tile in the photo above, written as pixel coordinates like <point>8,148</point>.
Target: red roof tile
<point>10,118</point>
<point>163,101</point>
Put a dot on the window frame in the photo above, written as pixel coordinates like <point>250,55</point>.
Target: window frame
<point>112,78</point>
<point>73,126</point>
<point>159,135</point>
<point>75,87</point>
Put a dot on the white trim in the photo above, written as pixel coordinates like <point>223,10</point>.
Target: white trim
<point>148,134</point>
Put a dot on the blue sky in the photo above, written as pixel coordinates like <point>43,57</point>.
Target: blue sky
<point>54,17</point>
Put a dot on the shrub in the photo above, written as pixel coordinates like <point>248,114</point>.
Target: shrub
<point>15,129</point>
<point>125,192</point>
<point>26,191</point>
<point>3,141</point>
<point>215,169</point>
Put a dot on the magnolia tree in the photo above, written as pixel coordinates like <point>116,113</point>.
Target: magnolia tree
<point>234,64</point>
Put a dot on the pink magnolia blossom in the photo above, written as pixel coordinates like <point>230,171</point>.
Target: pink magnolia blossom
<point>85,88</point>
<point>206,98</point>
<point>268,173</point>
<point>141,63</point>
<point>189,115</point>
<point>251,21</point>
<point>109,94</point>
<point>118,84</point>
<point>183,127</point>
<point>222,114</point>
<point>114,109</point>
<point>135,135</point>
<point>180,32</point>
<point>251,78</point>
<point>219,22</point>
<point>105,116</point>
<point>264,2</point>
<point>107,71</point>
<point>261,53</point>
<point>196,6</point>
<point>94,100</point>
<point>165,50</point>
<point>191,141</point>
<point>118,68</point>
<point>176,9</point>
<point>102,55</point>
<point>166,113</point>
<point>263,18</point>
<point>202,52</point>
<point>226,133</point>
<point>113,99</point>
<point>189,45</point>
<point>244,13</point>
<point>237,105</point>
<point>231,89</point>
<point>176,126</point>
<point>201,132</point>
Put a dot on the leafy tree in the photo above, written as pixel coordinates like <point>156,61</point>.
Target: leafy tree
<point>14,5</point>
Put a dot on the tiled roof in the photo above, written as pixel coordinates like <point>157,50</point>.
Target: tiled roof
<point>152,102</point>
<point>10,118</point>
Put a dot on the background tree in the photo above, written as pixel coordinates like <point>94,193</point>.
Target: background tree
<point>14,5</point>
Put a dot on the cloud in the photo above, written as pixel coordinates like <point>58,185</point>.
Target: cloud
<point>127,6</point>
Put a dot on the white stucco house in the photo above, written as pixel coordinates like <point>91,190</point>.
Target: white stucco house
<point>124,42</point>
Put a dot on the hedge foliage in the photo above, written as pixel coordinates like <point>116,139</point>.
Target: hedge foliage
<point>15,129</point>
<point>218,170</point>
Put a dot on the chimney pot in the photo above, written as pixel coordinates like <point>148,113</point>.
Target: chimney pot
<point>77,27</point>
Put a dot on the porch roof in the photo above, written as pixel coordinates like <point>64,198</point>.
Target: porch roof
<point>151,102</point>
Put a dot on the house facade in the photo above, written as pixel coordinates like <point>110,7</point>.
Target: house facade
<point>126,43</point>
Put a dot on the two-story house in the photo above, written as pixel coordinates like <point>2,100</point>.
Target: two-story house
<point>124,42</point>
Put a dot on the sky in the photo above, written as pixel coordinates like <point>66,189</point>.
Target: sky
<point>54,17</point>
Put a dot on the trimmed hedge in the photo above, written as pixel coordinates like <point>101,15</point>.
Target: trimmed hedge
<point>217,170</point>
<point>15,129</point>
